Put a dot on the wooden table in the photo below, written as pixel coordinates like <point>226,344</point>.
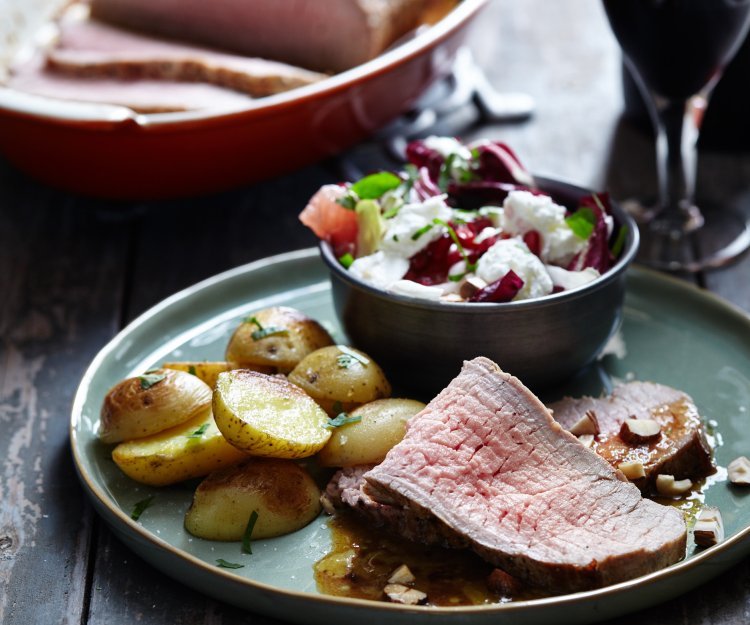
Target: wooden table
<point>73,271</point>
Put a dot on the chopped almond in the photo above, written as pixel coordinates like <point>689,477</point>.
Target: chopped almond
<point>709,527</point>
<point>669,487</point>
<point>739,470</point>
<point>632,469</point>
<point>402,575</point>
<point>587,424</point>
<point>398,593</point>
<point>637,431</point>
<point>470,285</point>
<point>587,440</point>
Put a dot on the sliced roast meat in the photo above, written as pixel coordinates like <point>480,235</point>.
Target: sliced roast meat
<point>325,36</point>
<point>143,96</point>
<point>486,460</point>
<point>91,49</point>
<point>680,449</point>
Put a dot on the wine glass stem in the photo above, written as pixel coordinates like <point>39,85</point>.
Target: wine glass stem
<point>676,135</point>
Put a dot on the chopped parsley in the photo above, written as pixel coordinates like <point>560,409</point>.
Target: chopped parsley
<point>346,260</point>
<point>342,419</point>
<point>348,357</point>
<point>263,332</point>
<point>140,507</point>
<point>199,432</point>
<point>221,562</point>
<point>246,546</point>
<point>148,379</point>
<point>582,222</point>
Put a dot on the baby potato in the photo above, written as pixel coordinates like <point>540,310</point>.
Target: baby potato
<point>282,493</point>
<point>204,370</point>
<point>150,403</point>
<point>367,441</point>
<point>189,450</point>
<point>340,378</point>
<point>268,415</point>
<point>275,337</point>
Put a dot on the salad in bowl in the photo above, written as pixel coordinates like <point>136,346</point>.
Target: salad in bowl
<point>464,223</point>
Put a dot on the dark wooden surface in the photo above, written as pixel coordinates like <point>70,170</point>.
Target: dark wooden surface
<point>73,271</point>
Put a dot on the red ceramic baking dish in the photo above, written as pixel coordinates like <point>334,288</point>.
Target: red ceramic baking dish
<point>113,152</point>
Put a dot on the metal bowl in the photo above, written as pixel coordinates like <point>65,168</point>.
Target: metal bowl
<point>543,341</point>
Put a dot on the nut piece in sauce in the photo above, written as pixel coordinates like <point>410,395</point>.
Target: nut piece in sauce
<point>587,424</point>
<point>402,575</point>
<point>637,431</point>
<point>398,593</point>
<point>587,440</point>
<point>739,471</point>
<point>669,487</point>
<point>709,527</point>
<point>632,469</point>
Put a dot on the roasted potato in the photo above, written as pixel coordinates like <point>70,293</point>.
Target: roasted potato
<point>281,492</point>
<point>268,416</point>
<point>192,449</point>
<point>382,424</point>
<point>204,370</point>
<point>153,402</point>
<point>340,378</point>
<point>275,337</point>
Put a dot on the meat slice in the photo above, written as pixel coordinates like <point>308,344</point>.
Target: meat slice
<point>486,460</point>
<point>90,49</point>
<point>681,449</point>
<point>326,36</point>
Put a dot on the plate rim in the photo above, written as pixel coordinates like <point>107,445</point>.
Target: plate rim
<point>135,530</point>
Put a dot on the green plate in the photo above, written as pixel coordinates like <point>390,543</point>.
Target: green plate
<point>672,333</point>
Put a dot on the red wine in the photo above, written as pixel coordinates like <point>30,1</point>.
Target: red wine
<point>678,46</point>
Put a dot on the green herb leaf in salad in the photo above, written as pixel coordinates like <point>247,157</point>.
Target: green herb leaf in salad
<point>619,242</point>
<point>421,231</point>
<point>582,222</point>
<point>346,260</point>
<point>246,546</point>
<point>374,186</point>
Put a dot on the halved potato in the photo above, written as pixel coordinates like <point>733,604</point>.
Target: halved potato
<point>367,441</point>
<point>268,416</point>
<point>276,337</point>
<point>340,378</point>
<point>282,493</point>
<point>150,403</point>
<point>204,370</point>
<point>192,449</point>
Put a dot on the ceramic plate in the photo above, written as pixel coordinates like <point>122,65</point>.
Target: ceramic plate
<point>672,333</point>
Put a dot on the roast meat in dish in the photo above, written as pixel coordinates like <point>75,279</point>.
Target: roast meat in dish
<point>681,448</point>
<point>329,36</point>
<point>485,465</point>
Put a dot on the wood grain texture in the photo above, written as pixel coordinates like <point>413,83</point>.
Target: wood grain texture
<point>74,271</point>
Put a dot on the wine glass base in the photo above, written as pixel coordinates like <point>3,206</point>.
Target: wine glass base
<point>714,239</point>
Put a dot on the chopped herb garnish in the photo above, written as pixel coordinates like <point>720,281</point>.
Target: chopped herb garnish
<point>375,185</point>
<point>348,357</point>
<point>263,332</point>
<point>139,508</point>
<point>582,222</point>
<point>457,168</point>
<point>191,370</point>
<point>390,214</point>
<point>199,432</point>
<point>395,238</point>
<point>456,277</point>
<point>619,241</point>
<point>421,231</point>
<point>342,419</point>
<point>346,260</point>
<point>348,201</point>
<point>149,379</point>
<point>452,233</point>
<point>228,565</point>
<point>246,546</point>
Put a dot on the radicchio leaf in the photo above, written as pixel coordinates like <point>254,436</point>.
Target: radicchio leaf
<point>478,193</point>
<point>497,162</point>
<point>424,187</point>
<point>501,290</point>
<point>417,153</point>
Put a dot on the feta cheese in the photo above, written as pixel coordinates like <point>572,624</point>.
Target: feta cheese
<point>571,279</point>
<point>524,211</point>
<point>513,254</point>
<point>379,269</point>
<point>445,146</point>
<point>402,236</point>
<point>494,214</point>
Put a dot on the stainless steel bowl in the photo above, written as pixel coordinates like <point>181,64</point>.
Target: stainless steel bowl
<point>421,344</point>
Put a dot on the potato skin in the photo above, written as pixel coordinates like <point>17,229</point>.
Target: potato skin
<point>281,352</point>
<point>282,493</point>
<point>268,416</point>
<point>175,454</point>
<point>130,411</point>
<point>367,441</point>
<point>323,377</point>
